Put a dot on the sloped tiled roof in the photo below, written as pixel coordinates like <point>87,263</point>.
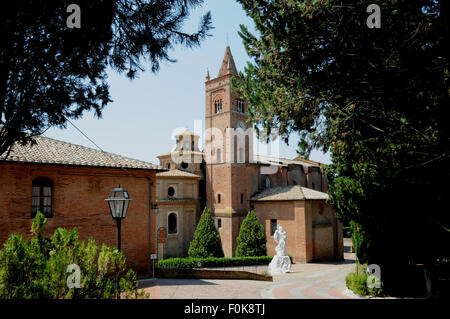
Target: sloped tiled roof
<point>294,192</point>
<point>176,173</point>
<point>284,162</point>
<point>50,151</point>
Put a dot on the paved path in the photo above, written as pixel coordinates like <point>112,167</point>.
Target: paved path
<point>305,281</point>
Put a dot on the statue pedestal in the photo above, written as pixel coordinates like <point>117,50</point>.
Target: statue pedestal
<point>279,265</point>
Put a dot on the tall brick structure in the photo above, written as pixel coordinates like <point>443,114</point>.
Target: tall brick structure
<point>234,175</point>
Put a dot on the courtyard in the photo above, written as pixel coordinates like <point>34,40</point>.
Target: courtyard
<point>324,280</point>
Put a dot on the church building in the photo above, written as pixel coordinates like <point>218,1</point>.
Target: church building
<point>232,180</point>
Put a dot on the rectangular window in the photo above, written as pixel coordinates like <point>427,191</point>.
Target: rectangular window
<point>273,226</point>
<point>240,106</point>
<point>219,222</point>
<point>41,197</point>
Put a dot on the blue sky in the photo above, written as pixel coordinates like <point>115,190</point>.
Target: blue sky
<point>145,112</point>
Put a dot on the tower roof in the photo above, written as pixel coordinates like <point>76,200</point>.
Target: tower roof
<point>228,66</point>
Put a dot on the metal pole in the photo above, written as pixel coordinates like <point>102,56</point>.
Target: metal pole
<point>119,224</point>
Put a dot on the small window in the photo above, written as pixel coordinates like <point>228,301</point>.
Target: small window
<point>218,105</point>
<point>240,106</point>
<point>202,165</point>
<point>218,155</point>
<point>218,198</point>
<point>184,165</point>
<point>313,185</point>
<point>168,165</point>
<point>241,155</point>
<point>219,222</point>
<point>41,197</point>
<point>273,226</point>
<point>242,198</point>
<point>192,145</point>
<point>171,191</point>
<point>172,221</point>
<point>266,182</point>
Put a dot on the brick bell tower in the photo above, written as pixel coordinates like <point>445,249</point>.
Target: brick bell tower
<point>227,168</point>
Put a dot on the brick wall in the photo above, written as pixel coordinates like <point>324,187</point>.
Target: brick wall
<point>79,201</point>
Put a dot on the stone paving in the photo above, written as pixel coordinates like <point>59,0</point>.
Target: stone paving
<point>305,281</point>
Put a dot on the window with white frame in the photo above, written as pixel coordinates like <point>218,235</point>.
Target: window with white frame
<point>240,106</point>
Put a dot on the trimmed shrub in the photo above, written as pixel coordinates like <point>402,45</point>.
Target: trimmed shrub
<point>206,242</point>
<point>252,239</point>
<point>190,263</point>
<point>39,268</point>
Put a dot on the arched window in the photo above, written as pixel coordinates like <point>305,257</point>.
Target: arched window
<point>172,221</point>
<point>41,196</point>
<point>218,198</point>
<point>168,165</point>
<point>218,106</point>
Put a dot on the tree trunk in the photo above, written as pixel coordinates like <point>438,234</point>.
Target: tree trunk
<point>428,281</point>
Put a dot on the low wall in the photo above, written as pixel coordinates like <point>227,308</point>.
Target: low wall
<point>209,274</point>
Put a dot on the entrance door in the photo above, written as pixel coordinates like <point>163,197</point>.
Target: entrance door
<point>323,243</point>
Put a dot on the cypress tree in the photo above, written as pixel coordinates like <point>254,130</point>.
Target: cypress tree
<point>252,239</point>
<point>206,242</point>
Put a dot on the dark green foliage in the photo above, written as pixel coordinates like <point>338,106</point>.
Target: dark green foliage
<point>376,99</point>
<point>206,242</point>
<point>50,73</point>
<point>252,239</point>
<point>357,282</point>
<point>189,263</point>
<point>213,262</point>
<point>38,268</point>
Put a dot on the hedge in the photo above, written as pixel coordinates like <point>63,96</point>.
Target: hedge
<point>189,263</point>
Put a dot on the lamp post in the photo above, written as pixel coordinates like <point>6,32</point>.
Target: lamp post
<point>118,202</point>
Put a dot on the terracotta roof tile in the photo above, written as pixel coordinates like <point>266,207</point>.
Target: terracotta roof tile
<point>294,192</point>
<point>176,173</point>
<point>50,151</point>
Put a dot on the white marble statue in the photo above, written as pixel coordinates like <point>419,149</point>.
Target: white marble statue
<point>281,263</point>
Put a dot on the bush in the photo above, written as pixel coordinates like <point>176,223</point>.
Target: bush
<point>206,242</point>
<point>357,282</point>
<point>190,263</point>
<point>38,268</point>
<point>252,239</point>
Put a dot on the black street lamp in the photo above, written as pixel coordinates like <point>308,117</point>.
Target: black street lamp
<point>118,202</point>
